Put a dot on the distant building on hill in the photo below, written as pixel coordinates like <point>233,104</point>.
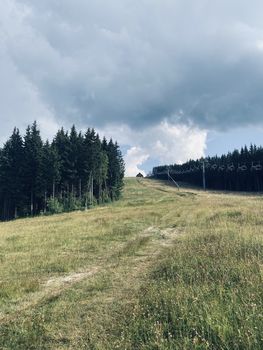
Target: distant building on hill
<point>139,175</point>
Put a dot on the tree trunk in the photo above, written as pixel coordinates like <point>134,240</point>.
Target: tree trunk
<point>31,204</point>
<point>45,204</point>
<point>92,190</point>
<point>80,189</point>
<point>53,190</point>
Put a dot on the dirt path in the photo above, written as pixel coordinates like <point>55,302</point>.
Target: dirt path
<point>132,259</point>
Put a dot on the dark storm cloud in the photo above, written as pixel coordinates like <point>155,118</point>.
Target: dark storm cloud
<point>138,62</point>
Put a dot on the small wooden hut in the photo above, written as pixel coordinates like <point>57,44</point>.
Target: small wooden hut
<point>139,175</point>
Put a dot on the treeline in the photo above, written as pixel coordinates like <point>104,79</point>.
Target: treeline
<point>73,171</point>
<point>236,171</point>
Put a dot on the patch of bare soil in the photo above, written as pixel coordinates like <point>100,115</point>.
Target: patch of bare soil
<point>55,286</point>
<point>64,281</point>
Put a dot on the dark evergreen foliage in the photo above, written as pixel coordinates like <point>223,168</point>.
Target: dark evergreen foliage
<point>237,171</point>
<point>74,171</point>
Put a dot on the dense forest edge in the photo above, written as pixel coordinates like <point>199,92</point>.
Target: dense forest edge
<point>74,171</point>
<point>236,171</point>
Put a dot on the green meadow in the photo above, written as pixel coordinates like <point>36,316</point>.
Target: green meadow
<point>159,269</point>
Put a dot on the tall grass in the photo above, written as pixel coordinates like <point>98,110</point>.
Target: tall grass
<point>206,293</point>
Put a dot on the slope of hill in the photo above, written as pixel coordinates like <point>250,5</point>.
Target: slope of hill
<point>160,269</point>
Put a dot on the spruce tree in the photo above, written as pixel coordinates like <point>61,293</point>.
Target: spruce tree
<point>50,171</point>
<point>61,143</point>
<point>64,175</point>
<point>115,170</point>
<point>32,167</point>
<point>11,184</point>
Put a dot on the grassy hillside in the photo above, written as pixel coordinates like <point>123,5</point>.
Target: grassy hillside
<point>160,269</point>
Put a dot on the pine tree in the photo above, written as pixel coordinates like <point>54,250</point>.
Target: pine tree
<point>50,171</point>
<point>11,189</point>
<point>33,147</point>
<point>115,170</point>
<point>61,143</point>
<point>64,175</point>
<point>73,159</point>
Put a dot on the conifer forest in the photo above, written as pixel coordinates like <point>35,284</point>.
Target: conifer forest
<point>74,171</point>
<point>236,171</point>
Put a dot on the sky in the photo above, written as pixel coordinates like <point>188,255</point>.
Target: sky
<point>170,80</point>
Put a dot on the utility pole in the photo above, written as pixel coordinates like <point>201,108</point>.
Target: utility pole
<point>170,178</point>
<point>204,182</point>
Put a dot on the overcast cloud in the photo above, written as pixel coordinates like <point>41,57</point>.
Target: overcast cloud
<point>159,73</point>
